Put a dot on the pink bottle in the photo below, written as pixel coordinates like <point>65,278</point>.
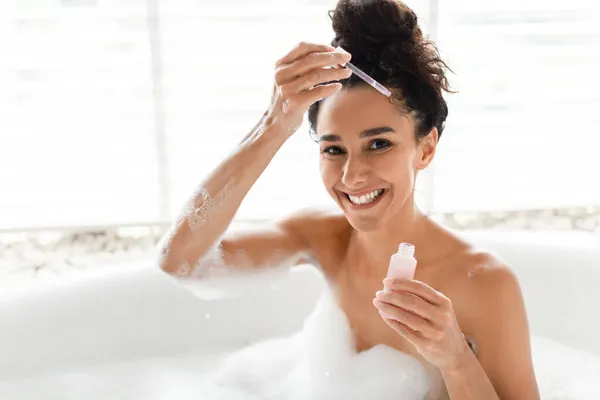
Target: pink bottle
<point>402,265</point>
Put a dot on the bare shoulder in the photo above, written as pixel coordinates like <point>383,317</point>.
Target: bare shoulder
<point>476,281</point>
<point>483,266</point>
<point>490,308</point>
<point>310,221</point>
<point>495,285</point>
<point>488,275</point>
<point>315,224</point>
<point>481,274</point>
<point>326,232</point>
<point>484,286</point>
<point>470,270</point>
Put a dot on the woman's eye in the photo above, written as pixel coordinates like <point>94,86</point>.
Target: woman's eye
<point>332,150</point>
<point>379,144</point>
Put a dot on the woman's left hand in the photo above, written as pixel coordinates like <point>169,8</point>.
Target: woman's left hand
<point>425,318</point>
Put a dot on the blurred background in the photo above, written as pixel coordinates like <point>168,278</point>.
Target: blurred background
<point>113,111</point>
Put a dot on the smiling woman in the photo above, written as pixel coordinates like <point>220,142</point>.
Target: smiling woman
<point>372,148</point>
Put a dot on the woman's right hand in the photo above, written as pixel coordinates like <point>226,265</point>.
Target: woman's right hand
<point>297,75</point>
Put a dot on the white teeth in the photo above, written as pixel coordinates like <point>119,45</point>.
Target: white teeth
<point>366,198</point>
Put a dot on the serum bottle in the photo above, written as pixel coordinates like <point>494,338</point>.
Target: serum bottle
<point>403,263</point>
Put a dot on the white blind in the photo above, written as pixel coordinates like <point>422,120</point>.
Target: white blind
<point>522,132</point>
<point>75,114</point>
<point>219,65</point>
<point>78,119</point>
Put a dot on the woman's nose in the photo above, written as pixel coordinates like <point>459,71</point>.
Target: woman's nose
<point>355,172</point>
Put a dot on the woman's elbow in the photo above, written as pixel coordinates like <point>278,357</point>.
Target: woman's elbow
<point>167,258</point>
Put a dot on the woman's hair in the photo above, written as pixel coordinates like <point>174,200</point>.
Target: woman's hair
<point>386,43</point>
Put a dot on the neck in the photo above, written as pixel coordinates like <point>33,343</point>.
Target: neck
<point>408,225</point>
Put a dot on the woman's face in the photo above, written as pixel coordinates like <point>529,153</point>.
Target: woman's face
<point>369,155</point>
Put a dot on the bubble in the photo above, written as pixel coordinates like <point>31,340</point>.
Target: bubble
<point>202,206</point>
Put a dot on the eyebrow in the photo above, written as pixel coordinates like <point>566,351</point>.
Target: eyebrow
<point>366,133</point>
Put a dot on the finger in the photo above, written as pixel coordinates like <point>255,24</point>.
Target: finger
<point>316,77</point>
<point>417,288</point>
<point>409,319</point>
<point>316,60</point>
<point>409,302</point>
<point>309,65</point>
<point>303,100</point>
<point>407,333</point>
<point>302,49</point>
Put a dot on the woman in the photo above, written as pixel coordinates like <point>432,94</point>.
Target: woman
<point>372,148</point>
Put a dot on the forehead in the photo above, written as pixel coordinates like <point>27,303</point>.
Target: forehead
<point>354,110</point>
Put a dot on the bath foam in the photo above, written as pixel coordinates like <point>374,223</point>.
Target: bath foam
<point>317,363</point>
<point>202,206</point>
<point>321,363</point>
<point>211,279</point>
<point>563,373</point>
<point>231,283</point>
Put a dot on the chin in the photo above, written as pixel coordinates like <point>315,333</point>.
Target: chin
<point>366,223</point>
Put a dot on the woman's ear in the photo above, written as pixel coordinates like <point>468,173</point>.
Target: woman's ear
<point>427,147</point>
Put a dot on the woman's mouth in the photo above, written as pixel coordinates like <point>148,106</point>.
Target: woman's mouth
<point>365,200</point>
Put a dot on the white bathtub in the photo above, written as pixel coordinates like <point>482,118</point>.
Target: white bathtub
<point>126,314</point>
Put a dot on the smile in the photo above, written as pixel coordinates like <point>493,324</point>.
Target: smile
<point>366,198</point>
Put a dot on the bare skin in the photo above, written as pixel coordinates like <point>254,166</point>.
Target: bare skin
<point>449,265</point>
<point>469,292</point>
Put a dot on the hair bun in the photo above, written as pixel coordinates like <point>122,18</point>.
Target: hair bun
<point>367,28</point>
<point>387,43</point>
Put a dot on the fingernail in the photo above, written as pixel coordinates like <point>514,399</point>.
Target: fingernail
<point>379,293</point>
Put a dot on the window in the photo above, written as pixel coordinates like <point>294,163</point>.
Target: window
<point>112,111</point>
<point>76,115</point>
<point>521,132</point>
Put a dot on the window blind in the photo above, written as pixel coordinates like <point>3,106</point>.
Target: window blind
<point>80,106</point>
<point>521,132</point>
<point>76,114</point>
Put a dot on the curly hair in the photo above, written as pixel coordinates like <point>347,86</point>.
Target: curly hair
<point>386,42</point>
